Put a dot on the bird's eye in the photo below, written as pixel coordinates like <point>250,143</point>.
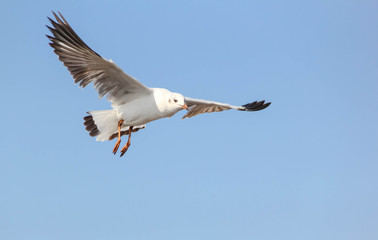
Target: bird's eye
<point>175,100</point>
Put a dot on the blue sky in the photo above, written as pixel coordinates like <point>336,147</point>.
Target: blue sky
<point>304,168</point>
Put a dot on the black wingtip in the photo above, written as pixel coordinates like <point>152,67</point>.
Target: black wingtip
<point>255,106</point>
<point>56,16</point>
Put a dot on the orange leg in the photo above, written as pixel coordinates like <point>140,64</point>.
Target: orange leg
<point>124,149</point>
<point>115,149</point>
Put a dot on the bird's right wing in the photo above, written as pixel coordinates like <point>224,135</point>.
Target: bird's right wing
<point>86,66</point>
<point>198,106</point>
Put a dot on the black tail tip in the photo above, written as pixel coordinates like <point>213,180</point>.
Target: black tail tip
<point>90,126</point>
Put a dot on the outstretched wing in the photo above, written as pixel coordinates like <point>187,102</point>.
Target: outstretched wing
<point>198,106</point>
<point>86,66</point>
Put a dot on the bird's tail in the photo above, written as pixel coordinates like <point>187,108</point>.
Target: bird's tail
<point>101,124</point>
<point>104,125</point>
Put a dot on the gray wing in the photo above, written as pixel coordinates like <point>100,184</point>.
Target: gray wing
<point>198,106</point>
<point>86,66</point>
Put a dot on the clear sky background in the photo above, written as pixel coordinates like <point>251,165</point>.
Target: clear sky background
<point>304,168</point>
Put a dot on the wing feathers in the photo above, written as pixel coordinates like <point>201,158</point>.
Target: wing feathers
<point>255,106</point>
<point>198,106</point>
<point>86,66</point>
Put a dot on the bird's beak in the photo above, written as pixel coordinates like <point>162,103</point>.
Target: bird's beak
<point>185,107</point>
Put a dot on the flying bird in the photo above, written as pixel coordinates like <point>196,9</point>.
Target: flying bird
<point>133,103</point>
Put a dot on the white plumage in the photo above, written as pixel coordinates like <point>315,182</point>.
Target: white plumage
<point>133,103</point>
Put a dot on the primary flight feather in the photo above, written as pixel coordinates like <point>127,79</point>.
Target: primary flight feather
<point>133,103</point>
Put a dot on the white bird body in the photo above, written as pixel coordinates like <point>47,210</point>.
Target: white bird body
<point>133,103</point>
<point>136,112</point>
<point>147,108</point>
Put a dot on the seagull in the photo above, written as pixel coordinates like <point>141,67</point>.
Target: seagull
<point>133,103</point>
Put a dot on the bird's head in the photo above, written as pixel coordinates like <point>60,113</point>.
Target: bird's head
<point>177,100</point>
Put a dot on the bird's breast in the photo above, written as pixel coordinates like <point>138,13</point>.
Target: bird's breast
<point>140,111</point>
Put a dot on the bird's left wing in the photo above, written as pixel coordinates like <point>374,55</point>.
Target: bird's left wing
<point>198,106</point>
<point>87,66</point>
